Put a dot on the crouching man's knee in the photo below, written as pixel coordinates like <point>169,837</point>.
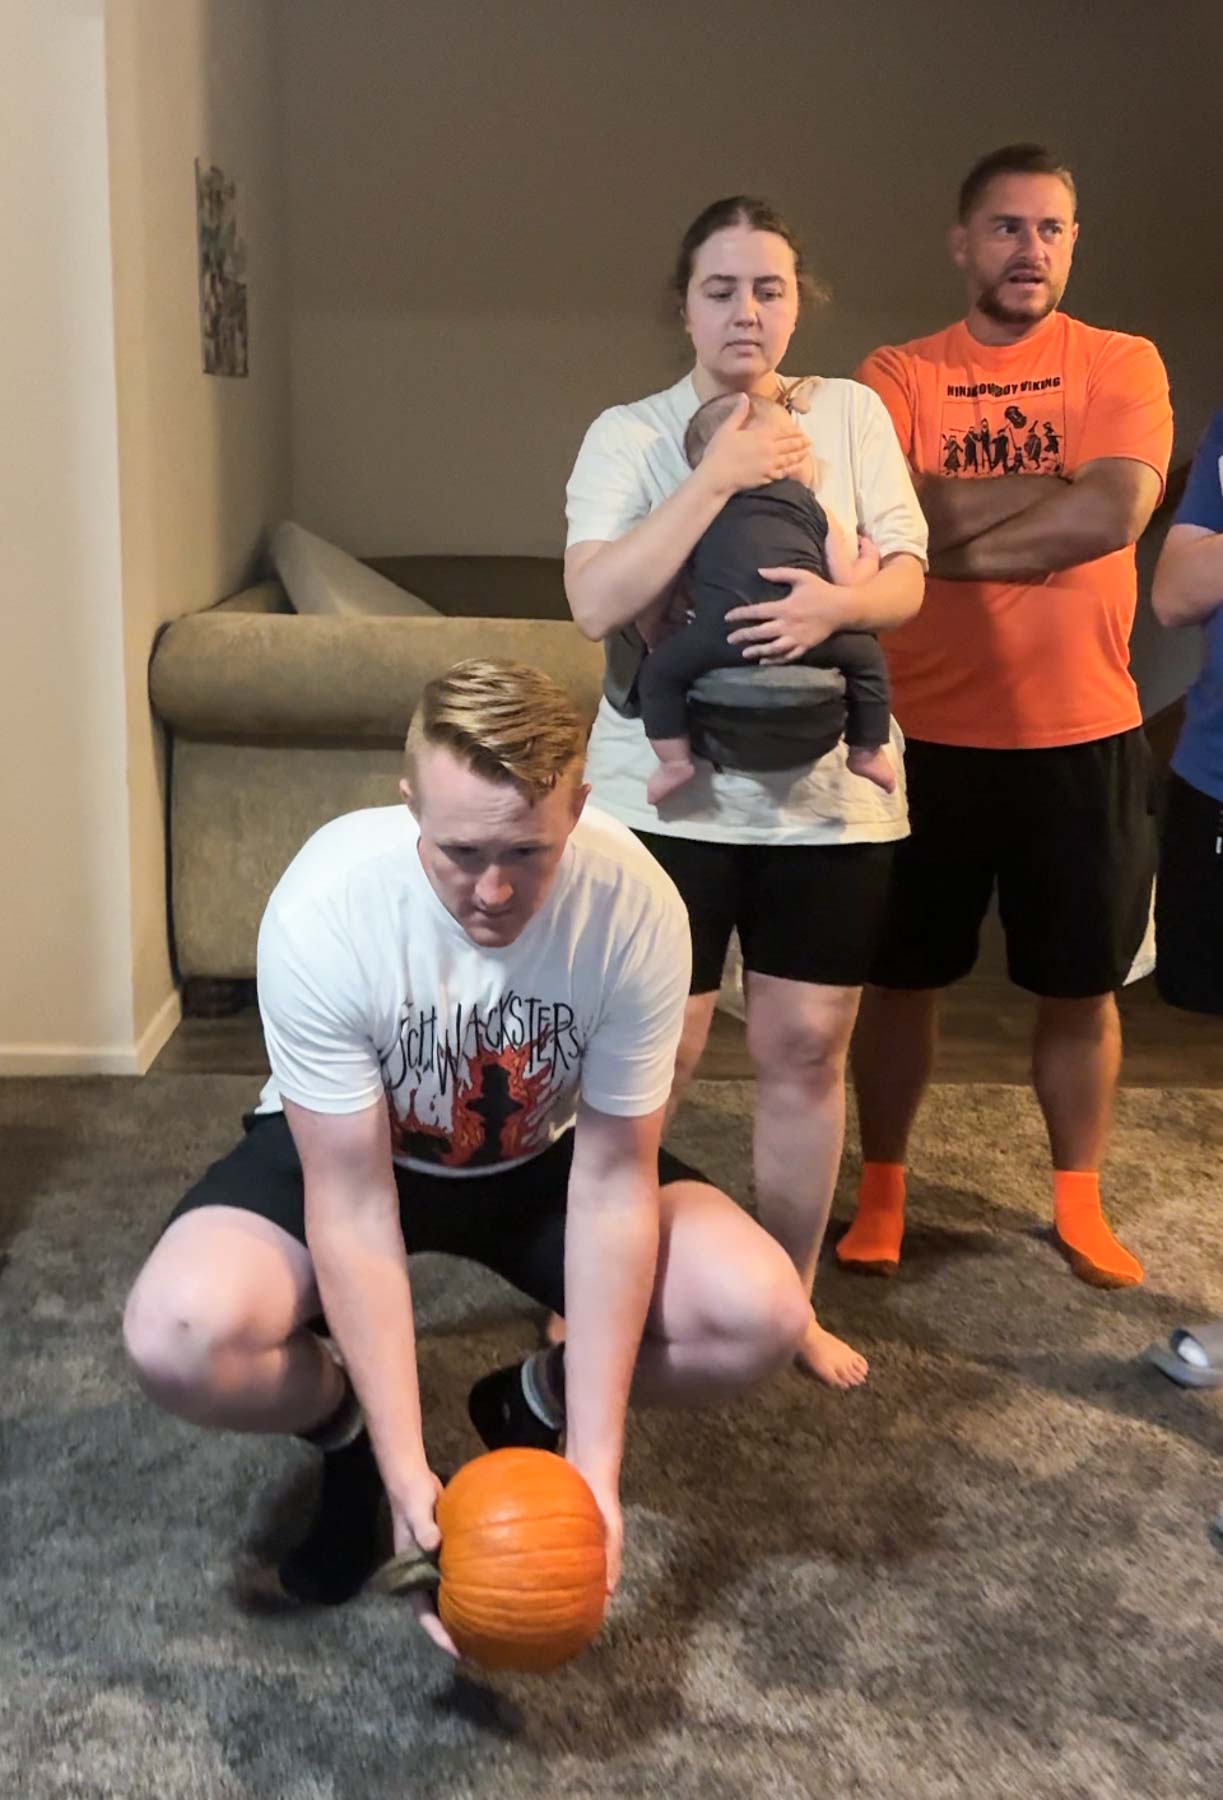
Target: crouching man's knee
<point>175,1341</point>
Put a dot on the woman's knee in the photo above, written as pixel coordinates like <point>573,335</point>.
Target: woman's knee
<point>810,1054</point>
<point>804,1037</point>
<point>767,1317</point>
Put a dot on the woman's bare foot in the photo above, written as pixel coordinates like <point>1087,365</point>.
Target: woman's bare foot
<point>873,765</point>
<point>829,1359</point>
<point>667,777</point>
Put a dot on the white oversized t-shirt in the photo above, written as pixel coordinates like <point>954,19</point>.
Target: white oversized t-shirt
<point>368,988</point>
<point>631,460</point>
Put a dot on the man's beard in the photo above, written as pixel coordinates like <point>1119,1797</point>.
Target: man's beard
<point>990,302</point>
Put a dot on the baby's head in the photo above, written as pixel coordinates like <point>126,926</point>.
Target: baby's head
<point>708,418</point>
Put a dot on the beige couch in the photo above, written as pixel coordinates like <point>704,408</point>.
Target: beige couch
<point>278,723</point>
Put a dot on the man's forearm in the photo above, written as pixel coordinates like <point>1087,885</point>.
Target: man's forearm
<point>1105,506</point>
<point>362,1275</point>
<point>1060,534</point>
<point>1188,587</point>
<point>958,508</point>
<point>611,1254</point>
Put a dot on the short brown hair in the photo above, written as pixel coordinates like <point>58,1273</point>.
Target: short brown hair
<point>506,721</point>
<point>1012,159</point>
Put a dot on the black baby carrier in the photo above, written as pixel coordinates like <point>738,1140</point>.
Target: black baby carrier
<point>756,719</point>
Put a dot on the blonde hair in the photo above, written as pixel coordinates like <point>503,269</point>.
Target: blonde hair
<point>506,721</point>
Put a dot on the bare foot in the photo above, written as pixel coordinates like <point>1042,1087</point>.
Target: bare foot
<point>829,1359</point>
<point>873,765</point>
<point>666,778</point>
<point>552,1331</point>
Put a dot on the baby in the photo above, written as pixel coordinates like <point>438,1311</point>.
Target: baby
<point>779,525</point>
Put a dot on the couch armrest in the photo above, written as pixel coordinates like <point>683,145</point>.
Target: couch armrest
<point>264,597</point>
<point>239,675</point>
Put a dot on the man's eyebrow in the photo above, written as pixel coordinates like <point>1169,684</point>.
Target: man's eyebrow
<point>462,843</point>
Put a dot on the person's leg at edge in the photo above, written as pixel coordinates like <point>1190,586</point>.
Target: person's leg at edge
<point>216,1330</point>
<point>798,1036</point>
<point>698,1017</point>
<point>893,1058</point>
<point>1076,1060</point>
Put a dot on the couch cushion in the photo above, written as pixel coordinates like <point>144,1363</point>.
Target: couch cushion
<point>324,581</point>
<point>345,681</point>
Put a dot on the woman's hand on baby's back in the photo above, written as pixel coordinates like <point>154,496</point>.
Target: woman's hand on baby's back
<point>747,455</point>
<point>773,631</point>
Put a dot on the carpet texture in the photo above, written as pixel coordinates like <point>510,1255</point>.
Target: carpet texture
<point>986,1574</point>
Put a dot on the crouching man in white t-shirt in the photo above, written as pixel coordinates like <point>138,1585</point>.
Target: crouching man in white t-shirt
<point>471,1006</point>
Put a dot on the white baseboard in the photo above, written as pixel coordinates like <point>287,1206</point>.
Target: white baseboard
<point>158,1031</point>
<point>95,1059</point>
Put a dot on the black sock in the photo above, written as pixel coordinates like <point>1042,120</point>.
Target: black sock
<point>345,1542</point>
<point>340,1427</point>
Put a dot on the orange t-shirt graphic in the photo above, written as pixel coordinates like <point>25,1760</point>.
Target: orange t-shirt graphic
<point>1005,666</point>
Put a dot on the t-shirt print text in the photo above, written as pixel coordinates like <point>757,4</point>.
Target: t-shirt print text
<point>1003,427</point>
<point>477,1087</point>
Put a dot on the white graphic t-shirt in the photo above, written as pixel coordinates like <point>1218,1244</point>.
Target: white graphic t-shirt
<point>368,988</point>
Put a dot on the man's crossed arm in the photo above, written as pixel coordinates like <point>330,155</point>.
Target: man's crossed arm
<point>1024,527</point>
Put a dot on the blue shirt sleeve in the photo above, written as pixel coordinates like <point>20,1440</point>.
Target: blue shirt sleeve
<point>1202,502</point>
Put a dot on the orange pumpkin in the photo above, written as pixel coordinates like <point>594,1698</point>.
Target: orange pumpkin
<point>523,1564</point>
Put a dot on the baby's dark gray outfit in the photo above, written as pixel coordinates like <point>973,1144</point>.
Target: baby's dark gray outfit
<point>781,525</point>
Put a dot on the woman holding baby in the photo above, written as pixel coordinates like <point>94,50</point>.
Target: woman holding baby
<point>796,860</point>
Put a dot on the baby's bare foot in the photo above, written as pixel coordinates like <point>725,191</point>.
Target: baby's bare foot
<point>873,765</point>
<point>666,778</point>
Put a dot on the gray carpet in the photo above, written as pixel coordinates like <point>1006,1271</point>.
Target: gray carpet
<point>986,1574</point>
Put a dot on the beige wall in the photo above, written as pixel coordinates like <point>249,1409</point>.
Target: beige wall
<point>485,203</point>
<point>204,460</point>
<point>65,987</point>
<point>133,487</point>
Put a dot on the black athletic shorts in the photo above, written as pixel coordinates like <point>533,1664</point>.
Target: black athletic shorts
<point>1066,835</point>
<point>513,1222</point>
<point>804,912</point>
<point>1189,900</point>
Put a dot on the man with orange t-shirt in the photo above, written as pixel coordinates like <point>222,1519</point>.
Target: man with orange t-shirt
<point>1039,446</point>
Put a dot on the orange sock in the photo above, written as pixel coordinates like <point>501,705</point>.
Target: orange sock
<point>871,1246</point>
<point>1090,1247</point>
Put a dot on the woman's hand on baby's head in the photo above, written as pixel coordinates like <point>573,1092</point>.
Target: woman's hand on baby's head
<point>747,452</point>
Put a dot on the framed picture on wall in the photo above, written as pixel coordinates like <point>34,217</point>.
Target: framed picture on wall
<point>223,326</point>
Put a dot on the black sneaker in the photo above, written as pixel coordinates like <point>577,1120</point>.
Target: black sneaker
<point>498,1409</point>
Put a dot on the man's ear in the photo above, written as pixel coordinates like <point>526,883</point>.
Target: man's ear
<point>581,794</point>
<point>409,799</point>
<point>957,242</point>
